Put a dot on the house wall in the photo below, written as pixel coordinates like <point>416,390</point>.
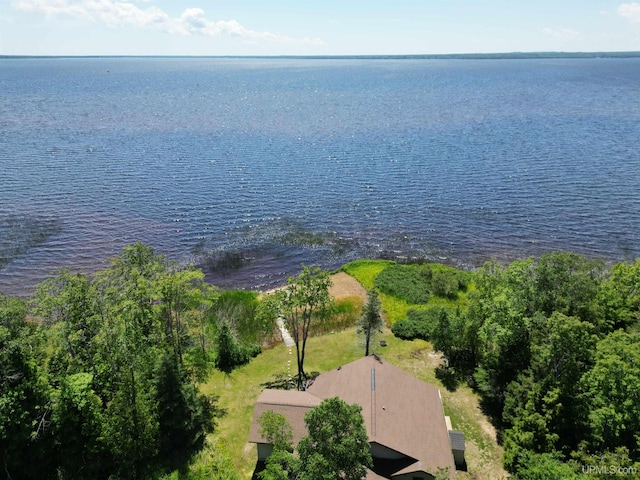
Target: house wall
<point>382,452</point>
<point>415,476</point>
<point>264,450</point>
<point>458,457</point>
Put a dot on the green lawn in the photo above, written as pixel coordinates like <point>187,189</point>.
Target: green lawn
<point>238,392</point>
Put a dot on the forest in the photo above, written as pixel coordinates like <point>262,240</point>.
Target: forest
<point>553,348</point>
<point>100,374</point>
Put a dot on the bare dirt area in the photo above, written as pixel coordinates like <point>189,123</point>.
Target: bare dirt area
<point>344,285</point>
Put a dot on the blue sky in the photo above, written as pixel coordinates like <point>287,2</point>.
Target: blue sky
<point>314,27</point>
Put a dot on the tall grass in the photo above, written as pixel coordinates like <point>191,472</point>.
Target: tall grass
<point>344,313</point>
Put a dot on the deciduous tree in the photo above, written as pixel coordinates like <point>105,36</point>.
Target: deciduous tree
<point>337,446</point>
<point>304,300</point>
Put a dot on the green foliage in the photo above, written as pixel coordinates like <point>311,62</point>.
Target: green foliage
<point>185,415</point>
<point>409,282</point>
<point>240,309</point>
<point>418,283</point>
<point>619,296</point>
<point>545,466</point>
<point>25,443</point>
<point>613,392</point>
<point>230,353</point>
<point>567,283</point>
<point>305,300</point>
<point>419,323</point>
<point>100,387</point>
<point>280,465</point>
<point>537,336</point>
<point>336,446</point>
<point>276,430</point>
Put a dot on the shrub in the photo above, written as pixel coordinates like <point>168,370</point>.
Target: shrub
<point>419,324</point>
<point>406,282</point>
<point>418,283</point>
<point>230,353</point>
<point>408,330</point>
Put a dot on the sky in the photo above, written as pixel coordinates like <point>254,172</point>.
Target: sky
<point>315,27</point>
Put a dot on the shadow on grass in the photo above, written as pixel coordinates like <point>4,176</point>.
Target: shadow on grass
<point>283,381</point>
<point>260,466</point>
<point>448,377</point>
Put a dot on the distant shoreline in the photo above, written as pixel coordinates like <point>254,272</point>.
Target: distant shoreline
<point>445,56</point>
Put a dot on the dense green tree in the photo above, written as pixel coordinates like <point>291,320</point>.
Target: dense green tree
<point>184,415</point>
<point>118,400</point>
<point>619,296</point>
<point>185,299</point>
<point>500,312</point>
<point>337,446</point>
<point>281,464</point>
<point>77,423</point>
<point>370,321</point>
<point>25,405</point>
<point>568,283</point>
<point>230,354</point>
<point>545,466</point>
<point>547,397</point>
<point>276,430</point>
<point>558,383</point>
<point>304,300</point>
<point>613,391</point>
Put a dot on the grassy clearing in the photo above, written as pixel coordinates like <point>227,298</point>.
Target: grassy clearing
<point>238,392</point>
<point>395,308</point>
<point>366,271</point>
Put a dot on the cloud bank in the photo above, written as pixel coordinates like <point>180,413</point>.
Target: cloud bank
<point>630,11</point>
<point>117,14</point>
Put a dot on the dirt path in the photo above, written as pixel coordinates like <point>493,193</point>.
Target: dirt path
<point>344,285</point>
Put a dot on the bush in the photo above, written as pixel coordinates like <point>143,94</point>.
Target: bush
<point>230,353</point>
<point>408,330</point>
<point>406,282</point>
<point>419,324</point>
<point>418,283</point>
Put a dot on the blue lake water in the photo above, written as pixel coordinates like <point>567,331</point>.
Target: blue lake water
<point>250,167</point>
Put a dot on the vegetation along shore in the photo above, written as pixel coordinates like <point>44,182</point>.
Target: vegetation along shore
<point>143,370</point>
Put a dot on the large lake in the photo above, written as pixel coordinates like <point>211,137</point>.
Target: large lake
<point>250,167</point>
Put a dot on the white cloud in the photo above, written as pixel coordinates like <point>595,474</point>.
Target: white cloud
<point>561,33</point>
<point>116,14</point>
<point>630,11</point>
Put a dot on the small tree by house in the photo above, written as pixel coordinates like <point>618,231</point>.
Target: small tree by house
<point>303,301</point>
<point>371,321</point>
<point>337,446</point>
<point>281,464</point>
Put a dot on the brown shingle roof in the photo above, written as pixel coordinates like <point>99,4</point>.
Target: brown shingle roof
<point>400,412</point>
<point>291,403</point>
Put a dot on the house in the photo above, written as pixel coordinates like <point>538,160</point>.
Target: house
<point>404,418</point>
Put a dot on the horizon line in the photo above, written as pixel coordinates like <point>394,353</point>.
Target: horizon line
<point>425,56</point>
